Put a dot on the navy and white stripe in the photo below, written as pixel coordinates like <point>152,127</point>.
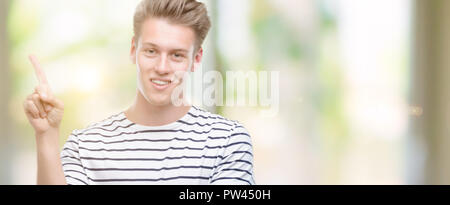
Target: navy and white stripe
<point>200,148</point>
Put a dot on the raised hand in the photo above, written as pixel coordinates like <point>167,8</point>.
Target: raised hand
<point>44,111</point>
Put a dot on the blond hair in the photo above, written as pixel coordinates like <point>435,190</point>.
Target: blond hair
<point>188,13</point>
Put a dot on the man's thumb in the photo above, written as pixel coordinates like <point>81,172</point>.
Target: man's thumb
<point>52,101</point>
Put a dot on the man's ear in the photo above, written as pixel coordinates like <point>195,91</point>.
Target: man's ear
<point>133,50</point>
<point>197,59</point>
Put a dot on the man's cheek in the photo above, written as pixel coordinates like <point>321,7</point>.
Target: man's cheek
<point>145,67</point>
<point>178,76</point>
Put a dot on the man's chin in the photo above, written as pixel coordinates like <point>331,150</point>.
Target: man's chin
<point>159,101</point>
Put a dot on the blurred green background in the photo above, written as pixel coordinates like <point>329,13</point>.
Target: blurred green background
<point>364,89</point>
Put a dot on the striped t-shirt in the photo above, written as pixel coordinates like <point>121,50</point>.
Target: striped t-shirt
<point>200,148</point>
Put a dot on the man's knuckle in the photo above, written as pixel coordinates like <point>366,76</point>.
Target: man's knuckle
<point>30,104</point>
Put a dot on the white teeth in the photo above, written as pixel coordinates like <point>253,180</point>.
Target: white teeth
<point>160,82</point>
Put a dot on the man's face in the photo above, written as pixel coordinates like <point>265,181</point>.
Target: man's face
<point>163,50</point>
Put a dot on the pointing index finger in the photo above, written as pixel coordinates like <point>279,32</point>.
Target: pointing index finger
<point>39,71</point>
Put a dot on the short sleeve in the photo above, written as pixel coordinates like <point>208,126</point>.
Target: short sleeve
<point>70,158</point>
<point>236,164</point>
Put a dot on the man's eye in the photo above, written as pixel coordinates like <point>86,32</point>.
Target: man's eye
<point>176,55</point>
<point>150,51</point>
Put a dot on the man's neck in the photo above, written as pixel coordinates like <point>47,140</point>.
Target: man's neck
<point>144,113</point>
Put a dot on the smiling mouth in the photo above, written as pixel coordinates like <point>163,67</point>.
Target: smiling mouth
<point>161,82</point>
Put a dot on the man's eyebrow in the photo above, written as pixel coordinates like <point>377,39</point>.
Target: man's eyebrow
<point>181,50</point>
<point>173,50</point>
<point>150,44</point>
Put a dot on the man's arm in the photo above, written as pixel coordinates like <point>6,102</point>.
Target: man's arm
<point>50,170</point>
<point>236,166</point>
<point>45,112</point>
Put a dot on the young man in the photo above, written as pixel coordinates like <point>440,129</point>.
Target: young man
<point>154,141</point>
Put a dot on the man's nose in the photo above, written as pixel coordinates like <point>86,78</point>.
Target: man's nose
<point>162,65</point>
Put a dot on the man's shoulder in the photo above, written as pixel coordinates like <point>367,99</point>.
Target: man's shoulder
<point>216,120</point>
<point>108,122</point>
<point>200,114</point>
